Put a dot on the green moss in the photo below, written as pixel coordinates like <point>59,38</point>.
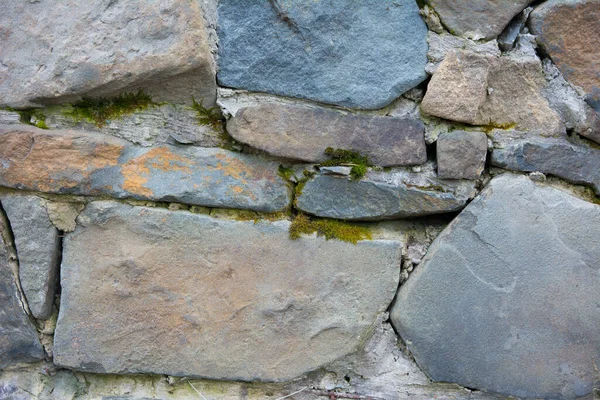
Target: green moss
<point>491,126</point>
<point>100,110</point>
<point>33,117</point>
<point>285,173</point>
<point>328,228</point>
<point>358,162</point>
<point>208,116</point>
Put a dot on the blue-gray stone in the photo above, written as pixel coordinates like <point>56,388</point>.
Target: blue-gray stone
<point>360,54</point>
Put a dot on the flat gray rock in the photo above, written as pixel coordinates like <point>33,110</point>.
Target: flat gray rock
<point>507,297</point>
<point>393,194</point>
<point>148,290</point>
<point>358,54</point>
<point>56,51</point>
<point>461,154</point>
<point>38,249</point>
<point>304,133</point>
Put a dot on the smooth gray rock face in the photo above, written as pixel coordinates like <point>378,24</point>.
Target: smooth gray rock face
<point>19,342</point>
<point>304,133</point>
<point>507,297</point>
<point>461,154</point>
<point>57,51</point>
<point>575,163</point>
<point>148,290</point>
<point>38,249</point>
<point>359,54</point>
<point>383,195</point>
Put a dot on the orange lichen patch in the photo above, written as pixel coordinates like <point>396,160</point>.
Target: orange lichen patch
<point>238,170</point>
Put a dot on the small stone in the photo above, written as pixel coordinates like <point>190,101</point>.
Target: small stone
<point>508,37</point>
<point>63,215</point>
<point>431,19</point>
<point>441,45</point>
<point>537,176</point>
<point>461,155</point>
<point>341,171</point>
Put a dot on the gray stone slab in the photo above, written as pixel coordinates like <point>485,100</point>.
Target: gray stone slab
<point>461,154</point>
<point>507,298</point>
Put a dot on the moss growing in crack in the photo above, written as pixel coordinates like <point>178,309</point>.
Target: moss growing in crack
<point>208,116</point>
<point>491,126</point>
<point>101,110</point>
<point>354,159</point>
<point>328,228</point>
<point>285,173</point>
<point>33,117</point>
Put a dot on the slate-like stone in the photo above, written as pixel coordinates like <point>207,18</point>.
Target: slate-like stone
<point>509,35</point>
<point>148,290</point>
<point>19,342</point>
<point>480,89</point>
<point>461,154</point>
<point>506,298</point>
<point>477,19</point>
<point>81,163</point>
<point>304,133</point>
<point>568,30</point>
<point>360,54</point>
<point>575,163</point>
<point>38,249</point>
<point>55,52</point>
<point>397,193</point>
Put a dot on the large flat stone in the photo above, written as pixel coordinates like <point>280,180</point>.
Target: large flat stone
<point>384,195</point>
<point>507,298</point>
<point>148,290</point>
<point>304,133</point>
<point>92,164</point>
<point>38,249</point>
<point>360,54</point>
<point>55,52</point>
<point>568,30</point>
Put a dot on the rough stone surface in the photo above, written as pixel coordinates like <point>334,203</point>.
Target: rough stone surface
<point>509,35</point>
<point>304,133</point>
<point>55,52</point>
<point>83,163</point>
<point>568,30</point>
<point>441,45</point>
<point>239,300</point>
<point>507,297</point>
<point>461,154</point>
<point>384,195</point>
<point>573,162</point>
<point>18,339</point>
<point>353,54</point>
<point>500,91</point>
<point>477,19</point>
<point>38,249</point>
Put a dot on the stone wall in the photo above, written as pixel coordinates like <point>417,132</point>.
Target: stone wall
<point>276,199</point>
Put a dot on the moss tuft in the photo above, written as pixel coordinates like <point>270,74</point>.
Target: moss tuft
<point>208,116</point>
<point>358,162</point>
<point>33,117</point>
<point>285,173</point>
<point>329,228</point>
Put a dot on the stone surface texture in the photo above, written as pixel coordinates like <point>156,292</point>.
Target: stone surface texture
<point>499,91</point>
<point>239,300</point>
<point>508,37</point>
<point>398,193</point>
<point>461,154</point>
<point>77,162</point>
<point>442,44</point>
<point>304,133</point>
<point>568,32</point>
<point>507,297</point>
<point>38,249</point>
<point>352,54</point>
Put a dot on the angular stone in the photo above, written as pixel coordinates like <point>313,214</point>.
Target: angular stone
<point>509,35</point>
<point>507,297</point>
<point>441,45</point>
<point>56,52</point>
<point>575,163</point>
<point>82,163</point>
<point>19,342</point>
<point>383,195</point>
<point>477,19</point>
<point>500,91</point>
<point>304,133</point>
<point>38,249</point>
<point>354,54</point>
<point>148,290</point>
<point>461,154</point>
<point>569,31</point>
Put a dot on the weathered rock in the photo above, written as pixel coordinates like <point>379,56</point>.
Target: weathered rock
<point>38,249</point>
<point>509,35</point>
<point>461,154</point>
<point>441,45</point>
<point>77,162</point>
<point>9,117</point>
<point>575,163</point>
<point>304,133</point>
<point>499,91</point>
<point>239,300</point>
<point>568,30</point>
<point>353,54</point>
<point>477,19</point>
<point>383,195</point>
<point>431,19</point>
<point>507,297</point>
<point>55,52</point>
<point>18,339</point>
